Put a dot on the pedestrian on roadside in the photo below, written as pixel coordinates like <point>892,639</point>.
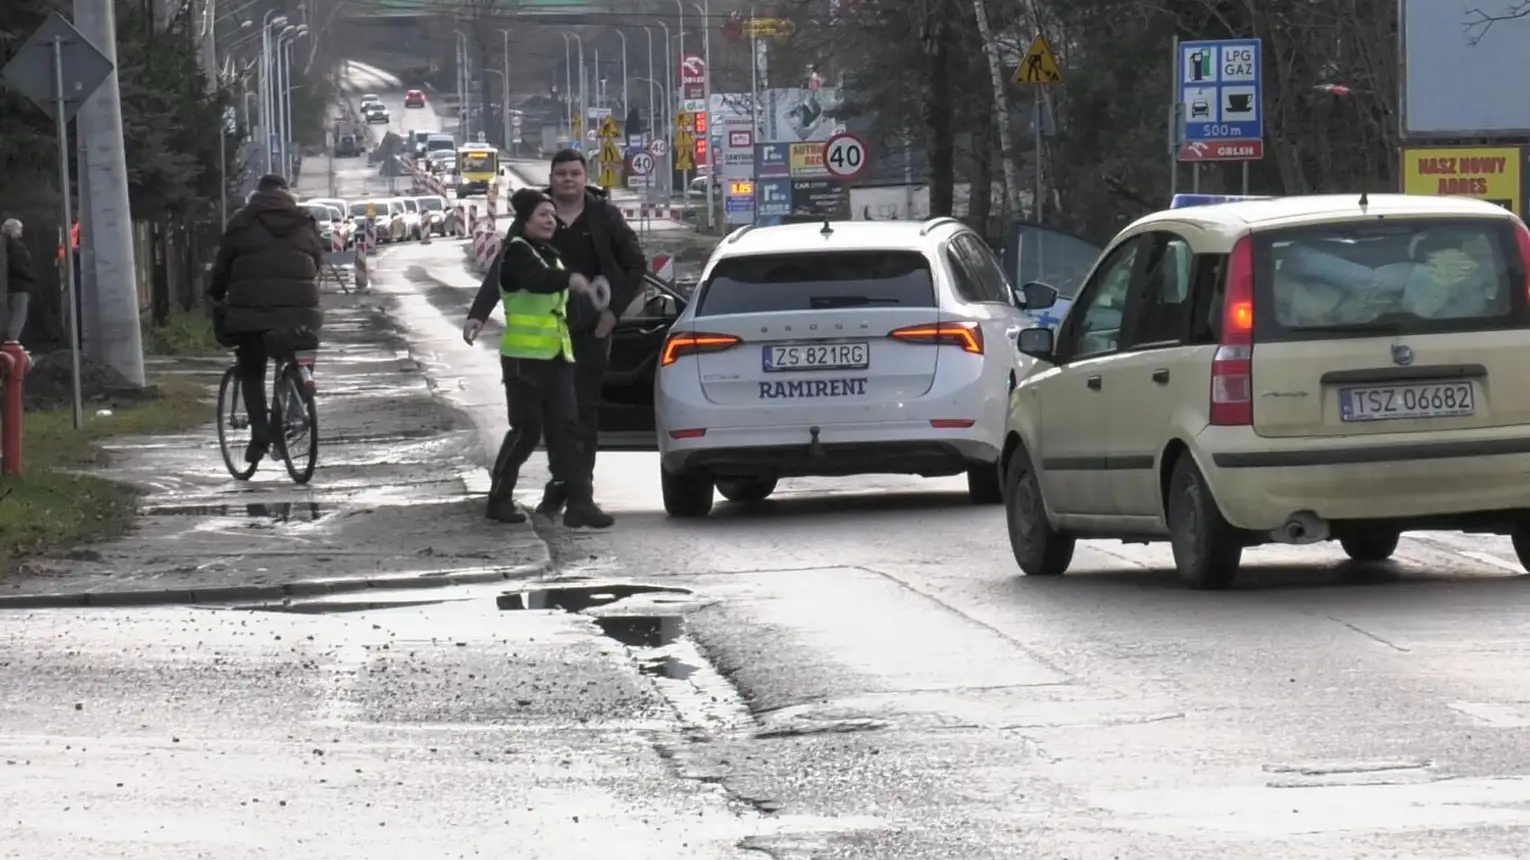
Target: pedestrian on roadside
<point>265,281</point>
<point>19,279</point>
<point>594,240</point>
<point>537,361</point>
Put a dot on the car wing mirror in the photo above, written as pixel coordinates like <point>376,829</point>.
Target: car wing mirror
<point>1038,343</point>
<point>1036,296</point>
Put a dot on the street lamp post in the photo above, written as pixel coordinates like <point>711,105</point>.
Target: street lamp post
<point>504,101</point>
<point>267,69</point>
<point>279,95</point>
<point>568,84</point>
<point>669,107</point>
<point>626,108</point>
<point>706,96</point>
<point>652,117</point>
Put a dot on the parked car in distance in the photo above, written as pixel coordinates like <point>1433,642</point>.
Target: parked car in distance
<point>414,99</point>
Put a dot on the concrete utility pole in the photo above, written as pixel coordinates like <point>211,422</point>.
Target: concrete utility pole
<point>99,125</point>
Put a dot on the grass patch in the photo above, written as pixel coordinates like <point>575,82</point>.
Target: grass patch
<point>51,507</point>
<point>185,333</point>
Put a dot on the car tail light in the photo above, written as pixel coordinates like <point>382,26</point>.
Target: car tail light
<point>966,335</point>
<point>680,345</point>
<point>693,433</point>
<point>1232,367</point>
<point>1522,237</point>
<point>951,423</point>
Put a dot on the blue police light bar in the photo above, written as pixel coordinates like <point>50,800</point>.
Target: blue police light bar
<point>1181,201</point>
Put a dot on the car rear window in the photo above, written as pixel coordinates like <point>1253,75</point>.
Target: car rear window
<point>434,204</point>
<point>818,280</point>
<point>1390,277</point>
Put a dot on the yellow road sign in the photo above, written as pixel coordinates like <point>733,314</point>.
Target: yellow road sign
<point>684,122</point>
<point>609,152</point>
<point>608,176</point>
<point>685,151</point>
<point>1039,65</point>
<point>768,28</point>
<point>608,130</point>
<point>371,210</point>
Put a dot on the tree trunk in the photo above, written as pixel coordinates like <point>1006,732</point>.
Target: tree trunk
<point>939,109</point>
<point>980,193</point>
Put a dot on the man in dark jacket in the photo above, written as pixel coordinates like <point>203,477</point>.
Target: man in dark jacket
<point>594,240</point>
<point>266,279</point>
<point>19,279</point>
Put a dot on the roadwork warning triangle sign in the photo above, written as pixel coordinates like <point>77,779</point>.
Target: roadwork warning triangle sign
<point>1039,65</point>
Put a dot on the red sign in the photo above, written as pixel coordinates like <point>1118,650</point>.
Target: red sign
<point>701,150</point>
<point>693,76</point>
<point>1222,150</point>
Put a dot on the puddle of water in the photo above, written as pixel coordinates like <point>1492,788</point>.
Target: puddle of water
<point>282,512</point>
<point>578,598</point>
<point>335,608</point>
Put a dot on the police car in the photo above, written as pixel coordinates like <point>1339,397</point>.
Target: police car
<point>837,349</point>
<point>1237,372</point>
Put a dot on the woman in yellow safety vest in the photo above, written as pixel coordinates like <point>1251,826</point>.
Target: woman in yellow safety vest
<point>537,360</point>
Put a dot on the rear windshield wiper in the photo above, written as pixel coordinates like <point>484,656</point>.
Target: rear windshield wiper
<point>850,301</point>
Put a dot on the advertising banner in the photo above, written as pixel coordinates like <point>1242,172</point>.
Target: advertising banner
<point>1492,173</point>
<point>806,161</point>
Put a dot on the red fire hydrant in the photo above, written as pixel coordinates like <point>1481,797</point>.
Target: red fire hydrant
<point>14,364</point>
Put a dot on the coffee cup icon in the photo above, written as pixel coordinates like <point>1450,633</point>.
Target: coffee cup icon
<point>1240,102</point>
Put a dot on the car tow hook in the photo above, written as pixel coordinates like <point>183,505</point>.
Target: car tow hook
<point>815,447</point>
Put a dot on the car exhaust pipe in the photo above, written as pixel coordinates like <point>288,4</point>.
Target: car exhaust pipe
<point>1302,528</point>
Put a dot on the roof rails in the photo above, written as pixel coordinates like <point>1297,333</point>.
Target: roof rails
<point>739,233</point>
<point>938,222</point>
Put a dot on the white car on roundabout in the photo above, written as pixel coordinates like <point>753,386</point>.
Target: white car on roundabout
<point>836,349</point>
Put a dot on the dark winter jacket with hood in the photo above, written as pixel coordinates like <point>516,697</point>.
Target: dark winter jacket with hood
<point>268,267</point>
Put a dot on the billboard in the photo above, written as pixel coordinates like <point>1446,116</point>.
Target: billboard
<point>1464,69</point>
<point>1491,173</point>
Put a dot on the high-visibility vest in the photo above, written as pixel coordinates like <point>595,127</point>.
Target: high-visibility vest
<point>536,324</point>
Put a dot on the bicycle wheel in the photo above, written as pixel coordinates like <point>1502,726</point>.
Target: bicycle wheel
<point>298,419</point>
<point>234,432</point>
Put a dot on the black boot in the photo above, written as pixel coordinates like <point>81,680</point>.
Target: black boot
<point>554,497</point>
<point>502,478</point>
<point>586,515</point>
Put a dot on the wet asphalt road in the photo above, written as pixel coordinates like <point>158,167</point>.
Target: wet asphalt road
<point>860,672</point>
<point>902,671</point>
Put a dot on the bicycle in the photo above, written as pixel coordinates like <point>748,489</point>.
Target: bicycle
<point>291,408</point>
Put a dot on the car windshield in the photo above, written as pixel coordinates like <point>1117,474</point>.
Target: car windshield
<point>432,204</point>
<point>319,213</point>
<point>477,162</point>
<point>1393,277</point>
<point>439,143</point>
<point>817,280</point>
<point>359,210</point>
<point>411,206</point>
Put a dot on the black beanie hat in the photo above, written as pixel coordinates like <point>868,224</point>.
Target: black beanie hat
<point>526,201</point>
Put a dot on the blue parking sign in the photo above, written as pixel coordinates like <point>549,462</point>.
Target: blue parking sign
<point>773,197</point>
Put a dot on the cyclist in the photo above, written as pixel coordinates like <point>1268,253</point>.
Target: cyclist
<point>265,280</point>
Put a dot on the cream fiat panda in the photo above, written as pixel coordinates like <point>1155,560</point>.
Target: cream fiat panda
<point>1291,370</point>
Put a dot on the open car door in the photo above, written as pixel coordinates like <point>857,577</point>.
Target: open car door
<point>1053,257</point>
<point>626,398</point>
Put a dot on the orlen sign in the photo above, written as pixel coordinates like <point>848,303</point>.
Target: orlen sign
<point>1222,150</point>
<point>693,76</point>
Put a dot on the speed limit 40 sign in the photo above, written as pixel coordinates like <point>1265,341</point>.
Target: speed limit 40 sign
<point>642,164</point>
<point>845,156</point>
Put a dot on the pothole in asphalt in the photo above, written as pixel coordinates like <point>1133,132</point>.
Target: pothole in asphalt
<point>282,512</point>
<point>656,642</point>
